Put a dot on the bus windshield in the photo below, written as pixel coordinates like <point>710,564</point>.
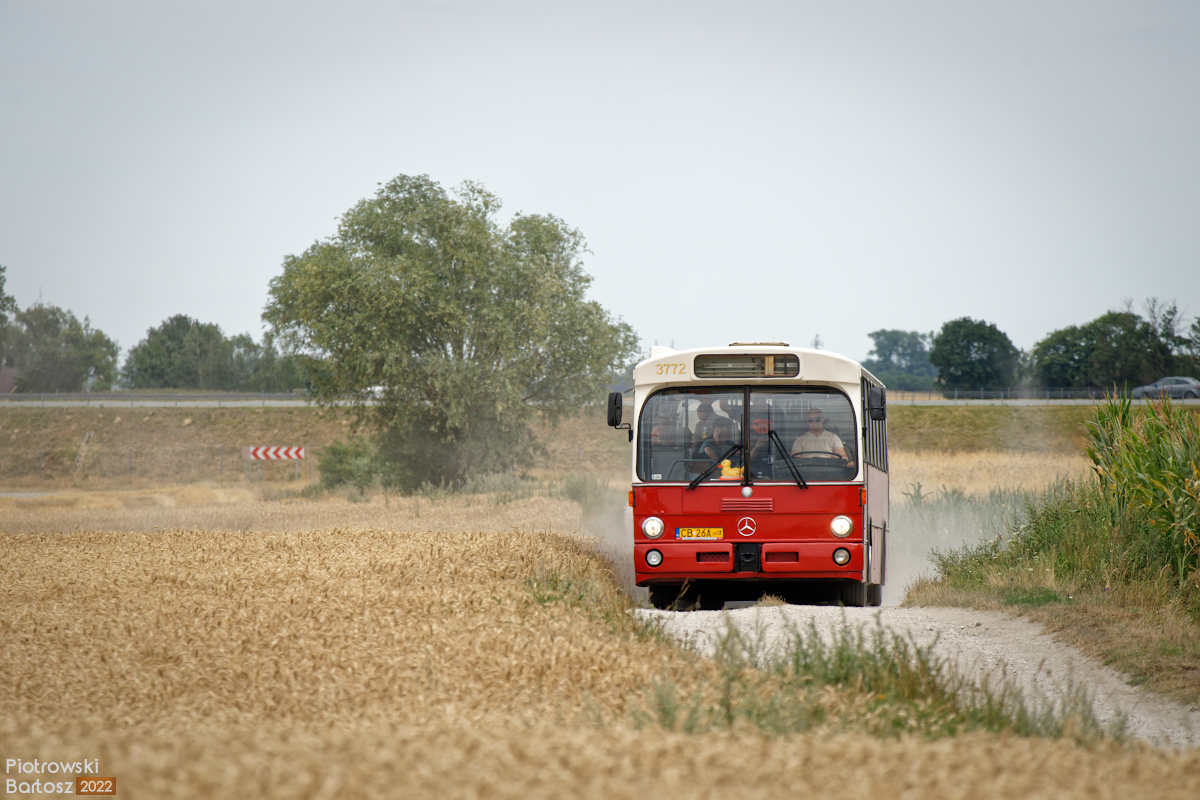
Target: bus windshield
<point>683,431</point>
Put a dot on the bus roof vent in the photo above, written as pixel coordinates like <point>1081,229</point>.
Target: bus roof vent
<point>759,344</point>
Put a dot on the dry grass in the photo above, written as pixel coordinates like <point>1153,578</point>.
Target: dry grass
<point>220,508</point>
<point>168,445</point>
<point>180,445</point>
<point>978,472</point>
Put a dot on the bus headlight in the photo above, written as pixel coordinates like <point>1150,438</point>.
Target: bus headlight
<point>654,558</point>
<point>841,557</point>
<point>841,526</point>
<point>653,528</point>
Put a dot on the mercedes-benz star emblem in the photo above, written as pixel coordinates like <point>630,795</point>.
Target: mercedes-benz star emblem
<point>746,526</point>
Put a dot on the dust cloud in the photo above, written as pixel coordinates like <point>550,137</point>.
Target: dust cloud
<point>612,527</point>
<point>949,519</point>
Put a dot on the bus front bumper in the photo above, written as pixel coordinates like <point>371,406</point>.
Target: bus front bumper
<point>715,559</point>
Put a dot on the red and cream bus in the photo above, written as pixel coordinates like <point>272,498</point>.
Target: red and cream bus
<point>758,468</point>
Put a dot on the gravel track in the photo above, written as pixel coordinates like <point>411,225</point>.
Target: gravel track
<point>979,643</point>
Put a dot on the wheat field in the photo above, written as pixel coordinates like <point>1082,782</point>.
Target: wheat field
<point>386,649</point>
<point>978,472</point>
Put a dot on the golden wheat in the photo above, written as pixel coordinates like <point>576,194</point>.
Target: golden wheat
<point>220,508</point>
<point>546,759</point>
<point>384,661</point>
<point>981,471</point>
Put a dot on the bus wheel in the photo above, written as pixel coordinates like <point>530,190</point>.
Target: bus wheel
<point>664,597</point>
<point>875,595</point>
<point>854,594</point>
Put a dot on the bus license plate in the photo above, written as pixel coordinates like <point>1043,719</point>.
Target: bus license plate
<point>699,533</point>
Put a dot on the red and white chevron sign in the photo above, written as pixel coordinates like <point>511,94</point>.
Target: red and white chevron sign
<point>272,453</point>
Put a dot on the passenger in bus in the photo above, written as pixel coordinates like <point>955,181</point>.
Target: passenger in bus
<point>721,440</point>
<point>760,442</point>
<point>704,422</point>
<point>664,433</point>
<point>816,440</point>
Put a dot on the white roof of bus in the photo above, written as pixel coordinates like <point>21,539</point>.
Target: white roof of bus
<point>815,365</point>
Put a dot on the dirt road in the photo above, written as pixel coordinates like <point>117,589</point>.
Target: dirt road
<point>979,643</point>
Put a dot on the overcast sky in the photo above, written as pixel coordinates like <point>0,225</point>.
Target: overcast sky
<point>745,170</point>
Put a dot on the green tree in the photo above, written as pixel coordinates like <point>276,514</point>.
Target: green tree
<point>461,326</point>
<point>1191,348</point>
<point>1126,351</point>
<point>184,353</point>
<point>1119,348</point>
<point>8,311</point>
<point>974,354</point>
<point>54,351</point>
<point>181,353</point>
<point>1063,358</point>
<point>901,359</point>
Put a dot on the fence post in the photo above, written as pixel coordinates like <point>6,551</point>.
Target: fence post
<point>131,463</point>
<point>222,460</point>
<point>39,465</point>
<point>308,458</point>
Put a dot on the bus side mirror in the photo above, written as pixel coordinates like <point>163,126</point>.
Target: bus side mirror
<point>614,409</point>
<point>877,402</point>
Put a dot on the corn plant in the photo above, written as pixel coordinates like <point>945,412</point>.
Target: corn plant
<point>1150,463</point>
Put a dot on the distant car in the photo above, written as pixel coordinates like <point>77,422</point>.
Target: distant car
<point>1176,388</point>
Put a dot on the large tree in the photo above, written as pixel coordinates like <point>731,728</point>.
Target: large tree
<point>461,325</point>
<point>972,354</point>
<point>901,359</point>
<point>54,351</point>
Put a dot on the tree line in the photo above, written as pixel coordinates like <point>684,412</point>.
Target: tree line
<point>53,351</point>
<point>1119,349</point>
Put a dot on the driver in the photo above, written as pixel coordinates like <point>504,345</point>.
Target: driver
<point>720,441</point>
<point>818,441</point>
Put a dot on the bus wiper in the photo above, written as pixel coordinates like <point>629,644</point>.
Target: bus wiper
<point>787,459</point>
<point>696,481</point>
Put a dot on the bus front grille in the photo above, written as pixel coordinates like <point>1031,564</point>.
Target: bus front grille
<point>742,504</point>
